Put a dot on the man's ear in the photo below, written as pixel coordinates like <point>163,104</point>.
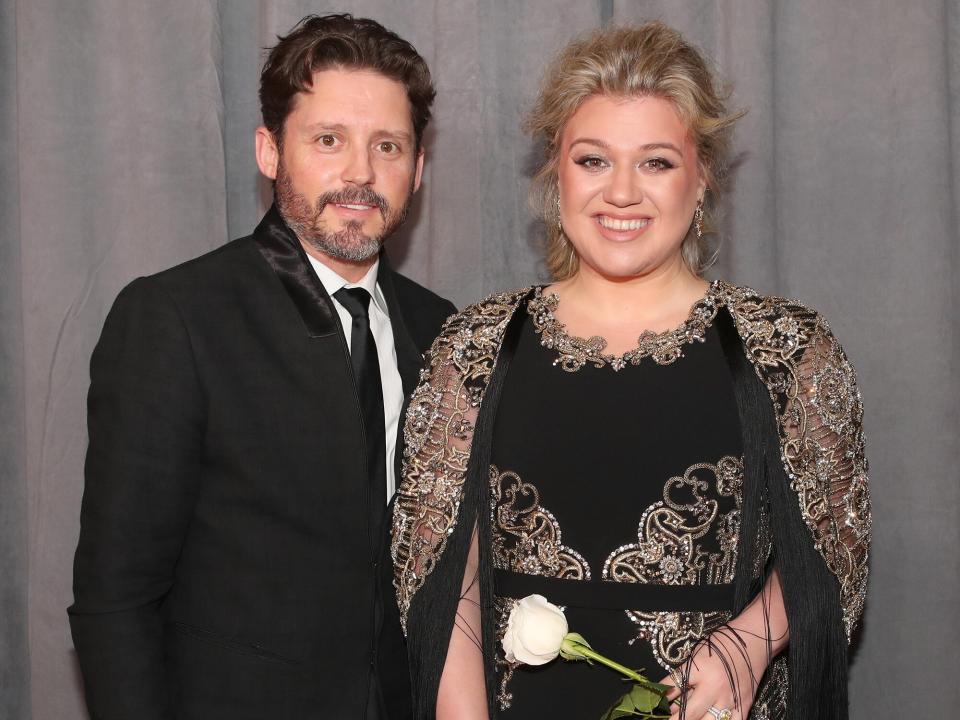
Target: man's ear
<point>268,154</point>
<point>418,172</point>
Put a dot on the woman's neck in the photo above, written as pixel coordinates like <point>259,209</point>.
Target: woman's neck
<point>658,302</point>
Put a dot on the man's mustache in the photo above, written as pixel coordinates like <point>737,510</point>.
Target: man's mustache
<point>353,196</point>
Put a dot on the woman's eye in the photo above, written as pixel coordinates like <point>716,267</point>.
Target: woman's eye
<point>658,164</point>
<point>591,162</point>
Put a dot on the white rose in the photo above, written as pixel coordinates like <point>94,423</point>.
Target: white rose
<point>535,631</point>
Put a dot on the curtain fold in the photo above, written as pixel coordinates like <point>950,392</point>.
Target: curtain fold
<point>126,146</point>
<point>14,653</point>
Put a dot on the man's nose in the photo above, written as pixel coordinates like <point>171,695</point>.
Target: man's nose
<point>359,168</point>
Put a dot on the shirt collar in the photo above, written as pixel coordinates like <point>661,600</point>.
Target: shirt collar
<point>332,282</point>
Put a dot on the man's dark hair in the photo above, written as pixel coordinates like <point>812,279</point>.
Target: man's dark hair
<point>323,42</point>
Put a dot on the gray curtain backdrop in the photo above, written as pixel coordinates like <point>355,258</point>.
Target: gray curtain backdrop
<point>126,146</point>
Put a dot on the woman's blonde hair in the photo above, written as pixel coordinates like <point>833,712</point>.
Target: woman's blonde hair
<point>629,61</point>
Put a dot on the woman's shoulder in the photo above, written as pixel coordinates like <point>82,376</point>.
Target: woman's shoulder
<point>477,330</point>
<point>756,313</point>
<point>780,330</point>
<point>492,309</point>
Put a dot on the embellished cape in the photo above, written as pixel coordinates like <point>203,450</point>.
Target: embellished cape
<point>801,418</point>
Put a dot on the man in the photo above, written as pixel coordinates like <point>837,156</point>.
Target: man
<point>243,417</point>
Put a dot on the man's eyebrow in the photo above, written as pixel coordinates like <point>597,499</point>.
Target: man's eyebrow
<point>317,126</point>
<point>396,134</point>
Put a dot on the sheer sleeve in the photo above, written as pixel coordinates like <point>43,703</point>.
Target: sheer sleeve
<point>824,451</point>
<point>438,438</point>
<point>438,433</point>
<point>442,573</point>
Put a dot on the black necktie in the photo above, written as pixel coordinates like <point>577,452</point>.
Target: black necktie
<point>366,370</point>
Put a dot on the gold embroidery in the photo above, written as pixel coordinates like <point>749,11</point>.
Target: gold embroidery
<point>820,413</point>
<point>667,552</point>
<point>438,434</point>
<point>673,635</point>
<point>770,702</point>
<point>792,350</point>
<point>575,352</point>
<point>527,537</point>
<point>505,669</point>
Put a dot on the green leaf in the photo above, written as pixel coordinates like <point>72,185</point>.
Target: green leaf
<point>640,702</point>
<point>621,710</point>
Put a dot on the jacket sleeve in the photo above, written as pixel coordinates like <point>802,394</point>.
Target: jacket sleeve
<point>824,453</point>
<point>438,438</point>
<point>145,423</point>
<point>438,432</point>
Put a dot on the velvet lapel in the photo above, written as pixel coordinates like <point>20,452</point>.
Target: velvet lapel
<point>284,253</point>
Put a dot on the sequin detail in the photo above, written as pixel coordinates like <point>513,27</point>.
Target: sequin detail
<point>505,669</point>
<point>667,551</point>
<point>527,536</point>
<point>820,415</point>
<point>575,352</point>
<point>810,381</point>
<point>438,434</point>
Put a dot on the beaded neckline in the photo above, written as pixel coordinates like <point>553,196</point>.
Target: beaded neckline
<point>664,347</point>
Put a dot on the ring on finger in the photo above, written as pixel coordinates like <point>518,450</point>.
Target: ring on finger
<point>720,713</point>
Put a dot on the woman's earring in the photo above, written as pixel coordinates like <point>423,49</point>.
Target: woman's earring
<point>698,219</point>
<point>559,223</point>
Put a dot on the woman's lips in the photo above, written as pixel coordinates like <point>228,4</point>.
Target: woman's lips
<point>612,223</point>
<point>622,228</point>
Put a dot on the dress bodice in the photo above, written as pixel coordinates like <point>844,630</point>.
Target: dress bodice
<point>616,488</point>
<point>605,470</point>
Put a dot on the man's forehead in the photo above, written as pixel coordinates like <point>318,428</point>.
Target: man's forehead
<point>355,81</point>
<point>354,97</point>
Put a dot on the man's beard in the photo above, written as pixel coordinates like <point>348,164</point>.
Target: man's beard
<point>350,243</point>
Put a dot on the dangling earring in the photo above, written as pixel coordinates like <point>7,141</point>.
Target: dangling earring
<point>559,223</point>
<point>698,219</point>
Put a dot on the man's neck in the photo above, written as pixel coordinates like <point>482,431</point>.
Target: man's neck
<point>351,271</point>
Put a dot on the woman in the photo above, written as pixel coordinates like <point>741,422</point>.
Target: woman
<point>695,499</point>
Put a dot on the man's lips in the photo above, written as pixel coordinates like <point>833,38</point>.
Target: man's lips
<point>354,210</point>
<point>355,206</point>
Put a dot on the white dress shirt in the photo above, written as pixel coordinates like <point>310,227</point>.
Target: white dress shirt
<point>386,352</point>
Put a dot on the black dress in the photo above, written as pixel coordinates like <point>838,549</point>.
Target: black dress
<point>616,487</point>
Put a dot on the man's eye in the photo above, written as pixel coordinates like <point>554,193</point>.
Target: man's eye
<point>388,147</point>
<point>327,140</point>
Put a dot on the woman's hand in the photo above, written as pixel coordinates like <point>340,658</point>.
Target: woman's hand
<point>724,673</point>
<point>727,666</point>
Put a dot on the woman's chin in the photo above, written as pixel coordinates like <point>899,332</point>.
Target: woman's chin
<point>621,270</point>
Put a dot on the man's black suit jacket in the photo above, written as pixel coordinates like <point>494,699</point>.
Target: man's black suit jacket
<point>227,567</point>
